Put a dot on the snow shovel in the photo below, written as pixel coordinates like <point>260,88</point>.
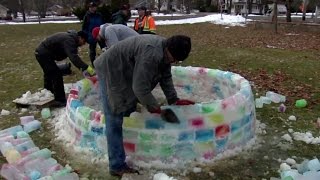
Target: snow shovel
<point>169,116</point>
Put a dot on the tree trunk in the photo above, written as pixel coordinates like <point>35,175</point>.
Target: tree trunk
<point>305,4</point>
<point>275,16</point>
<point>317,14</point>
<point>288,3</point>
<point>159,6</point>
<point>22,10</point>
<point>188,6</point>
<point>250,6</point>
<point>230,7</point>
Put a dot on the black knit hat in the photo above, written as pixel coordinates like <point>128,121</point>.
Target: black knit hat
<point>143,8</point>
<point>179,46</point>
<point>92,4</point>
<point>83,35</point>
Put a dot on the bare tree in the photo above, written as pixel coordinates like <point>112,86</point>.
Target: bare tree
<point>21,3</point>
<point>275,15</point>
<point>288,5</point>
<point>230,7</point>
<point>41,7</point>
<point>249,6</point>
<point>159,4</point>
<point>304,10</point>
<point>188,6</point>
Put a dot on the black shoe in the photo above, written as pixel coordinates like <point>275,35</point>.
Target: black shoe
<point>57,104</point>
<point>125,170</point>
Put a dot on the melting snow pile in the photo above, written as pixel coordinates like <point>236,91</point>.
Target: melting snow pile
<point>307,170</point>
<point>28,97</point>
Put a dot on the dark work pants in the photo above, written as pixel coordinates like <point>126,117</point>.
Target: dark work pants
<point>52,76</point>
<point>92,49</point>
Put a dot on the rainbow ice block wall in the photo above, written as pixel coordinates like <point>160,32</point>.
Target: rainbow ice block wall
<point>223,118</point>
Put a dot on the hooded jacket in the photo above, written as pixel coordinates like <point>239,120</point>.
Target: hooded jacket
<point>132,68</point>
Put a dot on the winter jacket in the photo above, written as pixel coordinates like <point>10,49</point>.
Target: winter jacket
<point>119,18</point>
<point>115,33</point>
<point>90,21</point>
<point>132,68</point>
<point>147,25</point>
<point>61,45</point>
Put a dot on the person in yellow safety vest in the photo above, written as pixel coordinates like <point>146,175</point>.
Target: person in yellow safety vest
<point>144,24</point>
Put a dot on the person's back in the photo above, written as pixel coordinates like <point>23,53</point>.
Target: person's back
<point>56,44</point>
<point>124,60</point>
<point>129,48</point>
<point>115,33</point>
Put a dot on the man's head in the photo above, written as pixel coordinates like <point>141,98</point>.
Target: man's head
<point>179,47</point>
<point>125,9</point>
<point>95,33</point>
<point>142,11</point>
<point>83,38</point>
<point>92,7</point>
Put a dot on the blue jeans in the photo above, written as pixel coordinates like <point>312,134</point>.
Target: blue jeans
<point>114,122</point>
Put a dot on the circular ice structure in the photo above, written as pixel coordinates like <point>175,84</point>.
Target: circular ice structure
<point>222,118</point>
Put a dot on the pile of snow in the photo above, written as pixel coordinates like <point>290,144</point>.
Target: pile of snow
<point>28,97</point>
<point>162,176</point>
<point>307,170</point>
<point>306,137</point>
<point>5,112</point>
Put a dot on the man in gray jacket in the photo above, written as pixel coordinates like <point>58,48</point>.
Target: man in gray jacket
<point>111,34</point>
<point>58,47</point>
<point>127,73</point>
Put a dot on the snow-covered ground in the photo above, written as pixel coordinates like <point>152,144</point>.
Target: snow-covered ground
<point>229,20</point>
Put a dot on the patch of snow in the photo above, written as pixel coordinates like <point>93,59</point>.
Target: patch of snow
<point>287,137</point>
<point>211,174</point>
<point>28,97</point>
<point>284,167</point>
<point>292,118</point>
<point>5,112</point>
<point>162,176</point>
<point>229,20</point>
<point>290,161</point>
<point>197,170</point>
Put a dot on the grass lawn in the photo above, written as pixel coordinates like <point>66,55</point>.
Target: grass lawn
<point>286,63</point>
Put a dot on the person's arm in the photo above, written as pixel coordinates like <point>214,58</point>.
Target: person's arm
<point>144,71</point>
<point>152,25</point>
<point>167,86</point>
<point>71,49</point>
<point>85,24</point>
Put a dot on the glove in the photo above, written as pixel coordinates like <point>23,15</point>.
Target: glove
<point>104,49</point>
<point>184,102</point>
<point>89,72</point>
<point>155,110</point>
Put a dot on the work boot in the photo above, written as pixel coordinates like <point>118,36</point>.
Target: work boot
<point>125,170</point>
<point>57,104</point>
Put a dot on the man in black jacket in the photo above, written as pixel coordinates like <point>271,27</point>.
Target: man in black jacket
<point>91,20</point>
<point>58,47</point>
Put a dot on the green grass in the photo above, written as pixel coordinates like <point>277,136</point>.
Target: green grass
<point>237,49</point>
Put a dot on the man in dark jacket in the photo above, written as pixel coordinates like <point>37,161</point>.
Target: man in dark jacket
<point>127,73</point>
<point>58,47</point>
<point>122,16</point>
<point>91,20</point>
